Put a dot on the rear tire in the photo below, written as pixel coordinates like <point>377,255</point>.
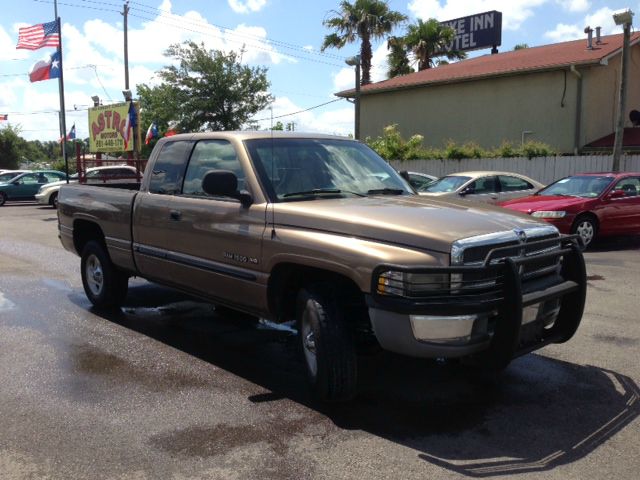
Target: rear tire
<point>105,286</point>
<point>3,198</point>
<point>587,227</point>
<point>327,348</point>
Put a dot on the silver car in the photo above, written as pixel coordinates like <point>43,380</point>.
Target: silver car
<point>488,187</point>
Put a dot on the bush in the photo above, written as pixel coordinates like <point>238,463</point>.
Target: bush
<point>536,149</point>
<point>391,146</point>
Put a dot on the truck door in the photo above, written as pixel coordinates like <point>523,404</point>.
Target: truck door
<point>215,242</point>
<point>151,215</point>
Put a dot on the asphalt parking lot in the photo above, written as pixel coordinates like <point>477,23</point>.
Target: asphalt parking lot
<point>170,389</point>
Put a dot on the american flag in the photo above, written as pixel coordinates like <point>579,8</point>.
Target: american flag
<point>38,36</point>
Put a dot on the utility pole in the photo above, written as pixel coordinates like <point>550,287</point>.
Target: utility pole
<point>624,19</point>
<point>125,14</point>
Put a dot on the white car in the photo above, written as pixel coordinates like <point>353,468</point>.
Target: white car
<point>48,193</point>
<point>486,186</point>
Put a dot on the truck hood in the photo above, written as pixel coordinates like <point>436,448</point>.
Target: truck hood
<point>421,222</point>
<point>536,203</point>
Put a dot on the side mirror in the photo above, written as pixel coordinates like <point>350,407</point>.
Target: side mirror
<point>616,194</point>
<point>223,183</point>
<point>466,191</point>
<point>404,174</point>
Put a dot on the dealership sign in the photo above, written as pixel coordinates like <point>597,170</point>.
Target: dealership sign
<point>483,30</point>
<point>107,126</point>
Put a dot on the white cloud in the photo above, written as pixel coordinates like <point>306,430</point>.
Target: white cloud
<point>247,6</point>
<point>514,12</point>
<point>335,119</point>
<point>575,5</point>
<point>564,33</point>
<point>601,18</point>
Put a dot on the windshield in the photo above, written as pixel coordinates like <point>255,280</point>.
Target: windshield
<point>586,186</point>
<point>301,168</point>
<point>447,184</point>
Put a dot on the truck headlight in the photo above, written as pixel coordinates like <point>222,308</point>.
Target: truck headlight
<point>403,284</point>
<point>549,214</point>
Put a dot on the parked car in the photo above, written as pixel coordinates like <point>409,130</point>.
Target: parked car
<point>26,185</point>
<point>7,175</point>
<point>48,193</point>
<point>488,187</point>
<point>418,180</point>
<point>589,204</point>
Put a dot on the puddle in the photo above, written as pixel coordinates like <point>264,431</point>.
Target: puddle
<point>6,304</point>
<point>264,324</point>
<point>57,284</point>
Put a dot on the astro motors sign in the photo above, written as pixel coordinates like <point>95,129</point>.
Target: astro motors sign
<point>108,128</point>
<point>482,30</point>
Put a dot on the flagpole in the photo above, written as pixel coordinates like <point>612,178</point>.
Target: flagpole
<point>63,120</point>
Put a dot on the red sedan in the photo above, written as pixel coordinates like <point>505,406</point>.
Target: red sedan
<point>589,204</point>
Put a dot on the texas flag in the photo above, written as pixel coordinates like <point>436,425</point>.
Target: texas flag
<point>152,132</point>
<point>46,69</point>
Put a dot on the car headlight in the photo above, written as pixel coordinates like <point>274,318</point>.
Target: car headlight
<point>549,214</point>
<point>403,284</point>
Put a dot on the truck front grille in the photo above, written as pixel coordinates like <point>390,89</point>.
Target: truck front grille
<point>493,249</point>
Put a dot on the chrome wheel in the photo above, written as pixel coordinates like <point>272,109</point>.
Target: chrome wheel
<point>309,345</point>
<point>586,230</point>
<point>94,274</point>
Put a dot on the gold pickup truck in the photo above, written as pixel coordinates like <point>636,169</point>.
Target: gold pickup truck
<point>321,230</point>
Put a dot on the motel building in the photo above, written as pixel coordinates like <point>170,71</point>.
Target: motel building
<point>565,95</point>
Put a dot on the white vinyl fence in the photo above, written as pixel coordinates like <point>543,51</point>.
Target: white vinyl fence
<point>544,169</point>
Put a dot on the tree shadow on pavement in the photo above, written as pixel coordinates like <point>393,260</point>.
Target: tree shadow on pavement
<point>539,414</point>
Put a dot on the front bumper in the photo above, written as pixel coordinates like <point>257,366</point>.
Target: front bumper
<point>510,319</point>
<point>42,198</point>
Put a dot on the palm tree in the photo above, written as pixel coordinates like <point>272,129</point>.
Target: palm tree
<point>397,57</point>
<point>364,20</point>
<point>431,39</point>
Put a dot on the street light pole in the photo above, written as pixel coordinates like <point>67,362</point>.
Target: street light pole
<point>625,19</point>
<point>355,61</point>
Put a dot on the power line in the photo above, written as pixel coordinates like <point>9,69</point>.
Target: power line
<point>66,68</point>
<point>165,14</point>
<point>233,32</point>
<point>299,111</point>
<point>50,2</point>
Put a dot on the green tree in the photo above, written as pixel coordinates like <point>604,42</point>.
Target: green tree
<point>207,90</point>
<point>11,147</point>
<point>521,46</point>
<point>362,20</point>
<point>429,40</point>
<point>397,58</point>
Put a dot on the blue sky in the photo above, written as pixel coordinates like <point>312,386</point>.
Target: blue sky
<point>282,35</point>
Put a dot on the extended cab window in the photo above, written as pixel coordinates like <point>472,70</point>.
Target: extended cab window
<point>211,155</point>
<point>168,170</point>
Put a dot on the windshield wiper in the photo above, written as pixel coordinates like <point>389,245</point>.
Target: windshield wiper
<point>385,191</point>
<point>315,191</point>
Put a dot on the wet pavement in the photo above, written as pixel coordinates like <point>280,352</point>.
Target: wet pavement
<point>169,388</point>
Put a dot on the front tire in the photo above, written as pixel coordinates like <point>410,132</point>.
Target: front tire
<point>3,198</point>
<point>587,227</point>
<point>105,286</point>
<point>327,348</point>
<point>53,200</point>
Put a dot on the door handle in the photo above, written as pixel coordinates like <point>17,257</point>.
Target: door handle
<point>175,215</point>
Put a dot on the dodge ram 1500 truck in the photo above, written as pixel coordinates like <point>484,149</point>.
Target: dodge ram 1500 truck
<point>321,230</point>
